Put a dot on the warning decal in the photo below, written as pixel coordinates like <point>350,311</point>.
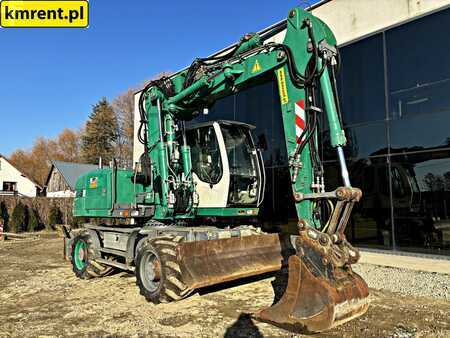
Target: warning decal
<point>256,67</point>
<point>282,86</point>
<point>299,120</point>
<point>93,182</point>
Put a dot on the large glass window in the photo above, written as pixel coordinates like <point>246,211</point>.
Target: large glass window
<point>421,200</point>
<point>419,114</point>
<point>223,109</point>
<point>255,106</point>
<point>399,158</point>
<point>260,106</point>
<point>420,133</point>
<point>363,141</point>
<point>370,224</point>
<point>417,54</point>
<point>362,81</point>
<point>419,84</point>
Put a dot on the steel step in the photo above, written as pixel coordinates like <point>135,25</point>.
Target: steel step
<point>115,264</point>
<point>114,252</point>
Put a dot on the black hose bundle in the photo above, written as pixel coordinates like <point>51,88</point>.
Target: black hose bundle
<point>308,82</point>
<point>166,86</point>
<point>212,60</point>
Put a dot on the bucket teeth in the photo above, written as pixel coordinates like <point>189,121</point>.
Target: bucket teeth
<point>319,294</point>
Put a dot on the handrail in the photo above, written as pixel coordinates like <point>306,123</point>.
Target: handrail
<point>11,193</point>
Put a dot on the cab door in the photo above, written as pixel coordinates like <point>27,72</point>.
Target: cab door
<point>210,167</point>
<point>227,168</point>
<point>246,168</point>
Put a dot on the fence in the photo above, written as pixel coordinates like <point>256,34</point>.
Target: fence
<point>11,193</point>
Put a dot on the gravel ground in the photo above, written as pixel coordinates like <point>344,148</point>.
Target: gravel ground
<point>41,297</point>
<point>406,282</point>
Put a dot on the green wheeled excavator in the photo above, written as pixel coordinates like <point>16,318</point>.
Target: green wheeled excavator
<point>188,207</point>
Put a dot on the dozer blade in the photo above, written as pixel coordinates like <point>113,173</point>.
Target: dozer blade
<point>322,290</point>
<point>206,263</point>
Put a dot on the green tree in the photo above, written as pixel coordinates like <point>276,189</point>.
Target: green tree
<point>4,215</point>
<point>19,218</point>
<point>54,217</point>
<point>33,222</point>
<point>100,134</point>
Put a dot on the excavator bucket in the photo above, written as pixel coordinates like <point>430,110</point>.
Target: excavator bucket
<point>322,290</point>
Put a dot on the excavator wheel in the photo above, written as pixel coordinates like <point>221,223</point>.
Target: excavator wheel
<point>158,272</point>
<point>83,257</point>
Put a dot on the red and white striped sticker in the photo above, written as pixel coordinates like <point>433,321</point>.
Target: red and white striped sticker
<point>299,120</point>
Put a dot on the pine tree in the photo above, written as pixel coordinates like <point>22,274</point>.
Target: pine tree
<point>4,215</point>
<point>100,134</point>
<point>54,217</point>
<point>33,222</point>
<point>19,218</point>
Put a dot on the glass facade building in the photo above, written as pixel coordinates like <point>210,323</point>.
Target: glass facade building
<point>395,95</point>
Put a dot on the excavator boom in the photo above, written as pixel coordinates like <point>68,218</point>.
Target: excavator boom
<point>322,290</point>
<point>189,175</point>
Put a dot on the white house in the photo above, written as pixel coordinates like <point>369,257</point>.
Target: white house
<point>14,182</point>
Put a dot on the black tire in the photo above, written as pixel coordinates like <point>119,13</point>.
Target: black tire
<point>158,273</point>
<point>84,252</point>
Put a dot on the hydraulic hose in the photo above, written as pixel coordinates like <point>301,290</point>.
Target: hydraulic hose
<point>334,72</point>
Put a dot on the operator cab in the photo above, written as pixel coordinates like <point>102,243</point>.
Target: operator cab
<point>227,167</point>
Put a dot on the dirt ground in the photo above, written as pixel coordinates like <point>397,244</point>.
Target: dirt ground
<point>40,296</point>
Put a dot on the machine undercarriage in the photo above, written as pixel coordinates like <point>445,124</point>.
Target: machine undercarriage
<point>172,261</point>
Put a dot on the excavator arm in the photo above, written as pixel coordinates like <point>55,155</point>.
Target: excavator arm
<point>174,239</point>
<point>322,290</point>
<point>301,65</point>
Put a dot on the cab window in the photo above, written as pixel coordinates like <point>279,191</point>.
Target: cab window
<point>205,154</point>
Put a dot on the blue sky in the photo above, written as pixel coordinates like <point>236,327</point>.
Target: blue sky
<point>50,78</point>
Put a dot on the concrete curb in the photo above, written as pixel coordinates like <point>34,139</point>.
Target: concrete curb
<point>406,262</point>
